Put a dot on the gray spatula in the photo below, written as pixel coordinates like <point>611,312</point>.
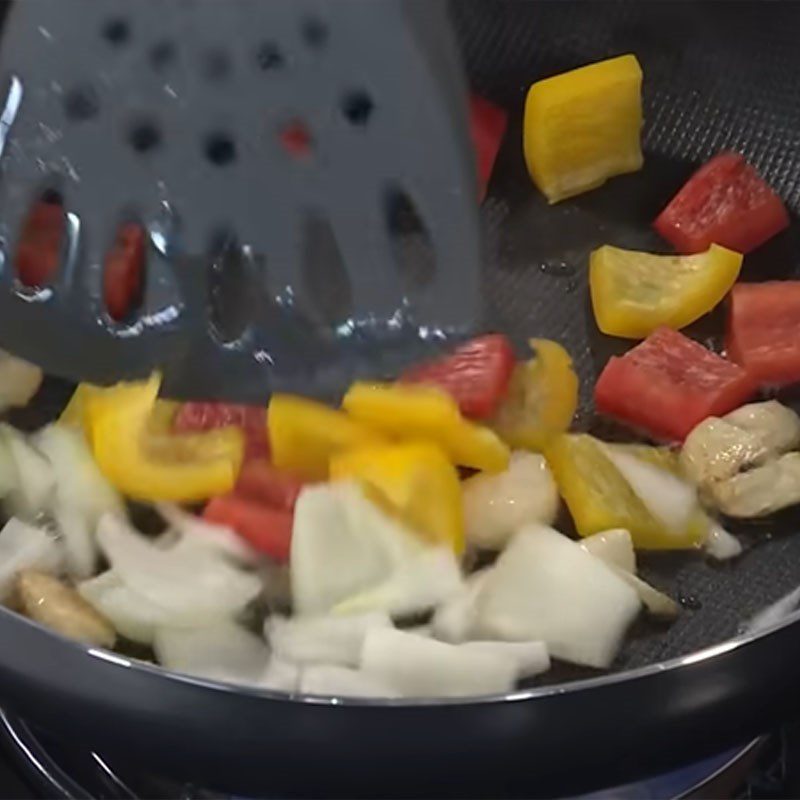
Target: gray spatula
<point>273,150</point>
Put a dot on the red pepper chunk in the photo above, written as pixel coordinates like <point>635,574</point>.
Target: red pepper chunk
<point>263,483</point>
<point>725,202</point>
<point>40,244</point>
<point>267,530</point>
<point>668,384</point>
<point>123,277</point>
<point>763,333</point>
<point>487,125</point>
<point>205,416</point>
<point>476,374</point>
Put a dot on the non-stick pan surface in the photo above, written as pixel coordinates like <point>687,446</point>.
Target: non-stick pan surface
<point>717,75</point>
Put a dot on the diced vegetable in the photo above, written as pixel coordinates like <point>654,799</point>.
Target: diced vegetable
<point>454,620</point>
<point>542,398</point>
<point>195,417</point>
<point>305,434</point>
<point>322,640</point>
<point>762,331</point>
<point>726,201</point>
<point>261,482</point>
<point>47,600</point>
<point>475,374</point>
<point>599,495</point>
<point>777,426</point>
<point>417,481</point>
<point>531,658</point>
<point>332,681</point>
<point>583,127</point>
<point>30,482</point>
<point>720,544</point>
<point>19,381</point>
<point>487,126</point>
<point>545,587</point>
<point>266,530</point>
<point>634,293</point>
<point>24,547</point>
<point>427,414</point>
<point>173,467</point>
<point>225,652</point>
<point>195,586</point>
<point>420,667</point>
<point>496,506</point>
<point>668,384</point>
<point>123,276</point>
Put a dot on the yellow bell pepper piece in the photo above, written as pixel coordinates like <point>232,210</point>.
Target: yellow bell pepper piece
<point>541,400</point>
<point>173,467</point>
<point>424,413</point>
<point>634,293</point>
<point>74,411</point>
<point>583,127</point>
<point>599,498</point>
<point>417,481</point>
<point>304,434</point>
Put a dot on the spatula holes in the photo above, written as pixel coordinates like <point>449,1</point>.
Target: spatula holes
<point>314,32</point>
<point>296,139</point>
<point>42,240</point>
<point>124,272</point>
<point>215,64</point>
<point>357,107</point>
<point>144,136</point>
<point>220,148</point>
<point>163,54</point>
<point>116,31</point>
<point>411,241</point>
<point>269,57</point>
<point>81,103</point>
<point>325,278</point>
<point>230,291</point>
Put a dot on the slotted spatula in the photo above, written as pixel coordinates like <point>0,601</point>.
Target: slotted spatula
<point>268,147</point>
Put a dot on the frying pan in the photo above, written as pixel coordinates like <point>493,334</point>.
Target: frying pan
<point>717,75</point>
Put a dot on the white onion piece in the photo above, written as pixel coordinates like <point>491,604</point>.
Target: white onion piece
<point>720,544</point>
<point>531,658</point>
<point>225,652</point>
<point>219,538</point>
<point>24,546</point>
<point>669,499</point>
<point>9,479</point>
<point>454,620</point>
<point>280,676</point>
<point>333,681</point>
<point>613,546</point>
<point>546,587</point>
<point>496,506</point>
<point>35,481</point>
<point>77,537</point>
<point>657,603</point>
<point>322,640</point>
<point>194,585</point>
<point>420,667</point>
<point>19,381</point>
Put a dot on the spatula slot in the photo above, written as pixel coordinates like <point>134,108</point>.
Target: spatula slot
<point>41,243</point>
<point>163,54</point>
<point>357,106</point>
<point>231,298</point>
<point>269,57</point>
<point>116,31</point>
<point>220,148</point>
<point>81,103</point>
<point>144,135</point>
<point>314,32</point>
<point>412,245</point>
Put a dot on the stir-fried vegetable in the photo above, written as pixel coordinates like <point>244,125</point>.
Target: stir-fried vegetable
<point>634,293</point>
<point>25,547</point>
<point>19,381</point>
<point>583,127</point>
<point>487,126</point>
<point>198,417</point>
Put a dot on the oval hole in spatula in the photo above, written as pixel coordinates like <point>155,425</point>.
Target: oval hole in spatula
<point>124,272</point>
<point>231,298</point>
<point>412,246</point>
<point>40,248</point>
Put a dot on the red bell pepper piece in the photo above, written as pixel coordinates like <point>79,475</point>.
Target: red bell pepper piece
<point>123,276</point>
<point>40,244</point>
<point>487,125</point>
<point>475,375</point>
<point>205,416</point>
<point>763,333</point>
<point>267,530</point>
<point>261,482</point>
<point>725,202</point>
<point>668,384</point>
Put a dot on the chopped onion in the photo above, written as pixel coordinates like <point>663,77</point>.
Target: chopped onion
<point>225,652</point>
<point>280,676</point>
<point>720,544</point>
<point>531,658</point>
<point>496,506</point>
<point>420,667</point>
<point>546,587</point>
<point>33,490</point>
<point>454,620</point>
<point>614,546</point>
<point>24,546</point>
<point>219,538</point>
<point>669,499</point>
<point>77,537</point>
<point>193,585</point>
<point>322,640</point>
<point>333,681</point>
<point>19,381</point>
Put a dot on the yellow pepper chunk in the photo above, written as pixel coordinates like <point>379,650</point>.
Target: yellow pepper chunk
<point>416,412</point>
<point>599,498</point>
<point>417,481</point>
<point>583,127</point>
<point>634,293</point>
<point>75,410</point>
<point>304,434</point>
<point>541,400</point>
<point>173,467</point>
